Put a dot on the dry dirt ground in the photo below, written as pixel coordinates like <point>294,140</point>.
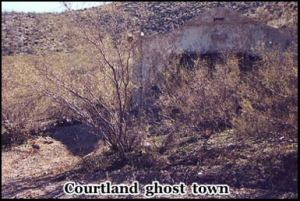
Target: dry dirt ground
<point>30,173</point>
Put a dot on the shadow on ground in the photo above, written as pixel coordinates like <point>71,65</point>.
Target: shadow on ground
<point>78,138</point>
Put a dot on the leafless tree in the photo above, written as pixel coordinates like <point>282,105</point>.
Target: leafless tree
<point>102,96</point>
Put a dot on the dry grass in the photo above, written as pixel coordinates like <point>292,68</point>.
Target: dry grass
<point>261,102</point>
<point>233,127</point>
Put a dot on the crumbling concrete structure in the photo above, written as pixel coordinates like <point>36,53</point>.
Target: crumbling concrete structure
<point>215,31</point>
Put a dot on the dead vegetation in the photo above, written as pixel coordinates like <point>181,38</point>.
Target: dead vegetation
<point>204,125</point>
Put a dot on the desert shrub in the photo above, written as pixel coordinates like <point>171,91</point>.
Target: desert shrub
<point>269,97</point>
<point>260,102</point>
<point>16,122</point>
<point>92,85</point>
<point>22,107</point>
<point>202,101</point>
<point>95,85</point>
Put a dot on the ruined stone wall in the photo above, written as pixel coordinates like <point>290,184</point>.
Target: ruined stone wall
<point>216,31</point>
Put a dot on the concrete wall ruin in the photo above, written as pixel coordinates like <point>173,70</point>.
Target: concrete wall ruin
<point>214,31</point>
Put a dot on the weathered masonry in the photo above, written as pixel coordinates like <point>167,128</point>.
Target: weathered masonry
<point>215,31</point>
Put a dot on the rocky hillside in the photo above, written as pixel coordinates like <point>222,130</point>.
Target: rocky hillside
<point>27,33</point>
